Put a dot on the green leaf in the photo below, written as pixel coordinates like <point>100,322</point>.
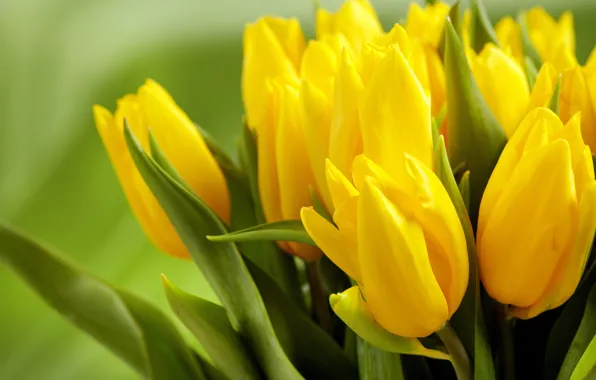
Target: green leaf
<point>210,325</point>
<point>456,20</point>
<point>531,71</point>
<point>527,46</point>
<point>376,364</point>
<point>221,264</point>
<point>581,357</point>
<point>481,29</point>
<point>474,134</point>
<point>469,314</point>
<point>464,188</point>
<point>350,307</point>
<point>285,230</point>
<point>131,328</point>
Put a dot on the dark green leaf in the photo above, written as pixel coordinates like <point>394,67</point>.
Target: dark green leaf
<point>481,29</point>
<point>130,327</point>
<point>474,134</point>
<point>285,230</point>
<point>527,45</point>
<point>470,311</point>
<point>581,357</point>
<point>210,325</point>
<point>221,264</point>
<point>376,364</point>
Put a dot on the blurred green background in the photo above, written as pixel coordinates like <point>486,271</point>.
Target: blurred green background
<point>57,58</point>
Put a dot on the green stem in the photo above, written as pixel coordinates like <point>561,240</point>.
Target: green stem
<point>507,343</point>
<point>319,300</point>
<point>455,349</point>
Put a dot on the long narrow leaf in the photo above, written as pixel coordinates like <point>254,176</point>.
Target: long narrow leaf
<point>285,230</point>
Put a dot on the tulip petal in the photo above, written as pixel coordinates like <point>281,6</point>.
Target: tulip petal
<point>532,222</point>
<point>149,213</point>
<point>395,115</point>
<point>332,242</point>
<point>575,97</point>
<point>543,87</point>
<point>340,188</point>
<point>184,147</point>
<point>392,246</point>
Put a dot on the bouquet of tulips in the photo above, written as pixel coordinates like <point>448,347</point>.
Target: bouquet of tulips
<point>417,203</point>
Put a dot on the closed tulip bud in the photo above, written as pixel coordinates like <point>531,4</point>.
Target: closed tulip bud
<point>578,94</point>
<point>400,240</point>
<point>356,20</point>
<point>427,23</point>
<point>152,107</point>
<point>503,84</point>
<point>508,34</point>
<point>273,48</point>
<point>537,216</point>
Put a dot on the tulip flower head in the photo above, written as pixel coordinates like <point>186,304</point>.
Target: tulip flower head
<point>152,107</point>
<point>538,215</point>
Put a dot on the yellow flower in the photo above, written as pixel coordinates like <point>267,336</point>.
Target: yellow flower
<point>427,24</point>
<point>400,240</point>
<point>356,20</point>
<point>152,107</point>
<point>538,215</point>
<point>553,40</point>
<point>273,48</point>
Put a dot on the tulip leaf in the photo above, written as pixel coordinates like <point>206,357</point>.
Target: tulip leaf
<point>374,363</point>
<point>474,134</point>
<point>456,20</point>
<point>221,264</point>
<point>258,309</point>
<point>464,188</point>
<point>350,307</point>
<point>475,339</point>
<point>278,264</point>
<point>481,29</point>
<point>581,355</point>
<point>285,230</point>
<point>531,71</point>
<point>553,104</point>
<point>131,328</point>
<point>527,45</point>
<point>318,205</point>
<point>210,325</point>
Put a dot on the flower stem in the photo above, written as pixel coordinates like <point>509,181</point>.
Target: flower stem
<point>455,349</point>
<point>319,300</point>
<point>507,343</point>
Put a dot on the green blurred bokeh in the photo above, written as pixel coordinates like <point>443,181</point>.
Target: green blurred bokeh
<point>59,57</point>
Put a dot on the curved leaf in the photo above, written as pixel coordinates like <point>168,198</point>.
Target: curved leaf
<point>210,325</point>
<point>374,363</point>
<point>285,230</point>
<point>130,327</point>
<point>527,46</point>
<point>481,29</point>
<point>221,264</point>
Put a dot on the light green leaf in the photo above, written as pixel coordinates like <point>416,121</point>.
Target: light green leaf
<point>376,364</point>
<point>527,45</point>
<point>481,29</point>
<point>221,264</point>
<point>350,307</point>
<point>285,230</point>
<point>464,188</point>
<point>531,71</point>
<point>470,311</point>
<point>580,360</point>
<point>553,104</point>
<point>474,134</point>
<point>210,325</point>
<point>131,328</point>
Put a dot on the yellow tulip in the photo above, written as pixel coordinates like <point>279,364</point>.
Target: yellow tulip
<point>356,20</point>
<point>553,40</point>
<point>537,216</point>
<point>400,240</point>
<point>503,84</point>
<point>273,48</point>
<point>427,24</point>
<point>152,107</point>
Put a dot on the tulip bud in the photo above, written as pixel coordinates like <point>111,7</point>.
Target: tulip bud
<point>427,24</point>
<point>152,107</point>
<point>356,20</point>
<point>400,240</point>
<point>273,48</point>
<point>539,207</point>
<point>578,94</point>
